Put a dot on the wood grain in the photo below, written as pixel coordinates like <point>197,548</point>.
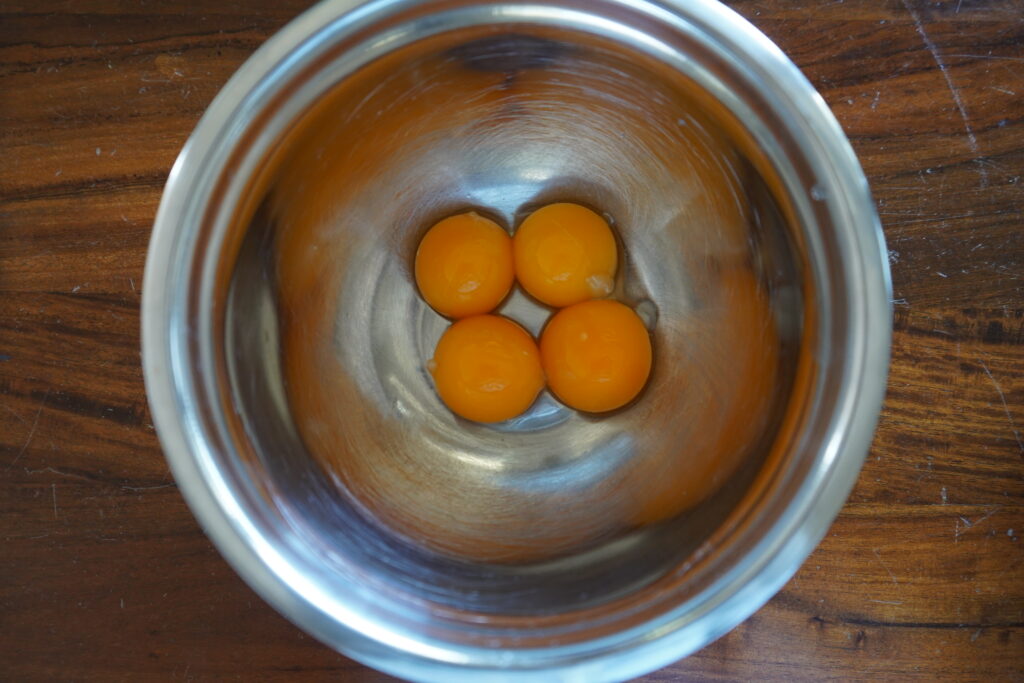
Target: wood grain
<point>105,574</point>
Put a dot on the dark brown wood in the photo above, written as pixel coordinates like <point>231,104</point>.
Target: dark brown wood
<point>105,574</point>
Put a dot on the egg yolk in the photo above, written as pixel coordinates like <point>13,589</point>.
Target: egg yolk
<point>564,254</point>
<point>487,368</point>
<point>596,355</point>
<point>464,265</point>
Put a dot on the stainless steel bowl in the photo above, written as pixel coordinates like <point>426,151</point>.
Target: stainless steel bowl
<point>285,344</point>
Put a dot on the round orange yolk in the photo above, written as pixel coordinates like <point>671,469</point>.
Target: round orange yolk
<point>565,254</point>
<point>487,368</point>
<point>464,265</point>
<point>596,355</point>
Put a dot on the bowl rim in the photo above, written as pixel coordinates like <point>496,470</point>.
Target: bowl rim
<point>270,572</point>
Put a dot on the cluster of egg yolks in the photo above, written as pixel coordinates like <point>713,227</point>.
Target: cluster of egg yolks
<point>487,368</point>
<point>565,254</point>
<point>596,355</point>
<point>464,265</point>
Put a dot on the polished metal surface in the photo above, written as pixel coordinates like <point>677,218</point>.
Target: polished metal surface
<point>285,344</point>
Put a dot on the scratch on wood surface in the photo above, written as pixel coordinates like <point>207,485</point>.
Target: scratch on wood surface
<point>984,517</point>
<point>968,524</point>
<point>1006,408</point>
<point>53,489</point>
<point>15,414</point>
<point>889,571</point>
<point>31,432</point>
<point>1000,57</point>
<point>147,488</point>
<point>972,140</point>
<point>59,473</point>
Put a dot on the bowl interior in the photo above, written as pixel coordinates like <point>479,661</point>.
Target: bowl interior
<point>326,339</point>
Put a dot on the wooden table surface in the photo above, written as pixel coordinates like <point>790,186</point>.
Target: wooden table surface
<point>104,574</point>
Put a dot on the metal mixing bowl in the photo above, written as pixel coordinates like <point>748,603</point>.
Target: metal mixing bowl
<point>285,344</point>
